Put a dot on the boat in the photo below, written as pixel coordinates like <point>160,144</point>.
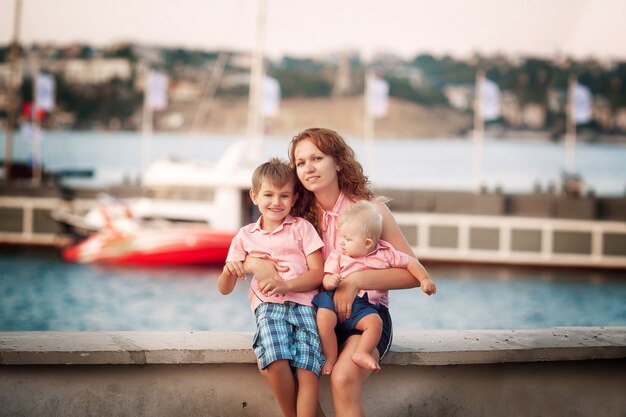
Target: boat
<point>153,246</point>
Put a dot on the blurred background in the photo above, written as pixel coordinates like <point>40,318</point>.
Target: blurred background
<point>497,128</point>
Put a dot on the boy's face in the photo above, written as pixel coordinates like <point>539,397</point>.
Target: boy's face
<point>352,241</point>
<point>274,202</point>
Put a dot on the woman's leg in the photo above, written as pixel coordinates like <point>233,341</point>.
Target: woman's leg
<point>326,322</point>
<point>347,379</point>
<point>280,379</point>
<point>308,393</point>
<point>372,327</point>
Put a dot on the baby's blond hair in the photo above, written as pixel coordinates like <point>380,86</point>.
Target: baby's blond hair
<point>367,216</point>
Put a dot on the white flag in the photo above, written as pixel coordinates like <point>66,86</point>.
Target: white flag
<point>156,90</point>
<point>44,92</point>
<point>490,100</point>
<point>378,96</point>
<point>270,96</point>
<point>582,104</point>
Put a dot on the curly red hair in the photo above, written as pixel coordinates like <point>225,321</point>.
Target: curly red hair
<point>352,181</point>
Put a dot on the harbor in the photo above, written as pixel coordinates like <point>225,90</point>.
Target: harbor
<point>128,154</point>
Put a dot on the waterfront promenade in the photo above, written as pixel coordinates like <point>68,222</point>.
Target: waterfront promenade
<point>545,372</point>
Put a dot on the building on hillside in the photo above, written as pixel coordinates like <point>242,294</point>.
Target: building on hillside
<point>534,115</point>
<point>96,71</point>
<point>460,96</point>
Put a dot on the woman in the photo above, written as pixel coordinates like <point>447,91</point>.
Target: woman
<point>331,180</point>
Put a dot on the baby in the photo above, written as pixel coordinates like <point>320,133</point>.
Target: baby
<point>360,248</point>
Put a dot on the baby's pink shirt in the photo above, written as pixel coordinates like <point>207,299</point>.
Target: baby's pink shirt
<point>289,244</point>
<point>382,257</point>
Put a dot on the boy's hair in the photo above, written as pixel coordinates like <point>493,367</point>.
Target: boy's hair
<point>277,172</point>
<point>367,216</point>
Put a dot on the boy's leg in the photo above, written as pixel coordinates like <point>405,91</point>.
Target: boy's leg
<point>308,393</point>
<point>372,327</point>
<point>326,322</point>
<point>272,347</point>
<point>280,379</point>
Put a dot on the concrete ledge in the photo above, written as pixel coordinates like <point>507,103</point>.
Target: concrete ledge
<point>560,372</point>
<point>437,347</point>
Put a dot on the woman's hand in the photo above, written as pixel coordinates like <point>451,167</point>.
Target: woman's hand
<point>271,286</point>
<point>263,268</point>
<point>344,297</point>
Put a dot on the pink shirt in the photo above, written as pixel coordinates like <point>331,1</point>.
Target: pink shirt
<point>330,224</point>
<point>382,257</point>
<point>289,244</point>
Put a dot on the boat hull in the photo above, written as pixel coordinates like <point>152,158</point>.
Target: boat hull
<point>161,246</point>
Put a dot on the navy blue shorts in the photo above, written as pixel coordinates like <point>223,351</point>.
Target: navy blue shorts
<point>361,307</point>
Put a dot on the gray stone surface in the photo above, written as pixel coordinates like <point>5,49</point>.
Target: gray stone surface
<point>436,347</point>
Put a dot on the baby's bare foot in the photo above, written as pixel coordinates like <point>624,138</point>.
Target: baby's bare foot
<point>365,361</point>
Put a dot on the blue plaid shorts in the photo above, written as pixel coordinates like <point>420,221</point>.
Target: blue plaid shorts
<point>288,331</point>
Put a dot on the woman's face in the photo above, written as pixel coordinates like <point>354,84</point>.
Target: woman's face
<point>316,170</point>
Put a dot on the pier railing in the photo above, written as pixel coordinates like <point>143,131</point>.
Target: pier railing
<point>515,240</point>
<point>454,237</point>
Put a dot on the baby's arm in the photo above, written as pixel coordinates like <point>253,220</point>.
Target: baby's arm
<point>228,278</point>
<point>419,272</point>
<point>331,281</point>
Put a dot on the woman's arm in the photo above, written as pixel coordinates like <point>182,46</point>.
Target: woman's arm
<point>307,281</point>
<point>263,268</point>
<point>391,231</point>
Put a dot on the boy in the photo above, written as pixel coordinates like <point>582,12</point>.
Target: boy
<point>286,335</point>
<point>360,248</point>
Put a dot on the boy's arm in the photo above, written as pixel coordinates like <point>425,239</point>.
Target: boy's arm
<point>307,281</point>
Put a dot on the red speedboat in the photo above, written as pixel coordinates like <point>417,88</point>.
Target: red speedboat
<point>166,245</point>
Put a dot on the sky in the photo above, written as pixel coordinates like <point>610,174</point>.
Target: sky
<point>548,28</point>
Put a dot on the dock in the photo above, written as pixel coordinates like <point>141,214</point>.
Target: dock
<point>543,229</point>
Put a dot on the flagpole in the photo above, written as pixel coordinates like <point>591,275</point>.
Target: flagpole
<point>368,121</point>
<point>146,125</point>
<point>36,145</point>
<point>570,132</point>
<point>479,130</point>
<point>11,116</point>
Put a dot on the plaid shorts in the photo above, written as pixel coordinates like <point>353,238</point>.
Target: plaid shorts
<point>288,331</point>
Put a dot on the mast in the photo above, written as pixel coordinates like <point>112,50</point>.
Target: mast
<point>8,145</point>
<point>368,119</point>
<point>570,129</point>
<point>255,119</point>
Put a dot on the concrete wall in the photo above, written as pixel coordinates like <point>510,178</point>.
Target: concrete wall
<point>549,372</point>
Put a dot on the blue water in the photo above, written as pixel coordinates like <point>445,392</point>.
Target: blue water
<point>513,165</point>
<point>38,291</point>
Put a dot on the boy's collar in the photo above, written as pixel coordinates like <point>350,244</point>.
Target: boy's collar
<point>258,227</point>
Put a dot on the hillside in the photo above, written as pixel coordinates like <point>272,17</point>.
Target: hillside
<point>344,114</point>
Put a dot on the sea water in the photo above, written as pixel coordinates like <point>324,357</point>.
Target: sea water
<point>39,291</point>
<point>512,165</point>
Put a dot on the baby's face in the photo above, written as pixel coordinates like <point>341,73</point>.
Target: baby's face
<point>352,241</point>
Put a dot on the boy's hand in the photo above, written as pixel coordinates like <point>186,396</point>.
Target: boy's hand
<point>331,281</point>
<point>428,286</point>
<point>235,268</point>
